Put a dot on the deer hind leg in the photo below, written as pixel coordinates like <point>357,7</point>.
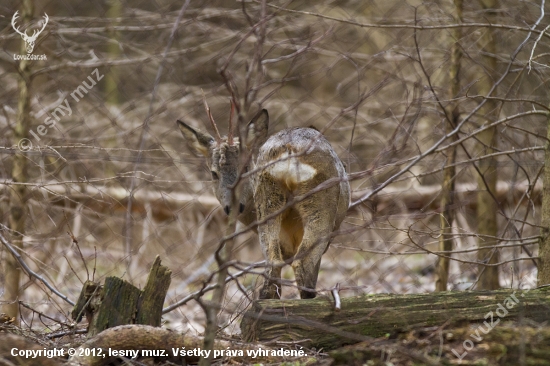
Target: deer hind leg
<point>270,242</point>
<point>272,251</point>
<point>306,263</point>
<point>318,216</point>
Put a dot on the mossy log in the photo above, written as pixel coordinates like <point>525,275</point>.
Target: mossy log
<point>363,318</point>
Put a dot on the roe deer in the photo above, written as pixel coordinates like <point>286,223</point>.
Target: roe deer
<point>289,164</point>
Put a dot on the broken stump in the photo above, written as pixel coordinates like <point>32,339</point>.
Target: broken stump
<point>118,302</point>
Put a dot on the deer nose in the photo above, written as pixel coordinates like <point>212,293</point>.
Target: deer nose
<point>241,208</point>
<point>226,209</point>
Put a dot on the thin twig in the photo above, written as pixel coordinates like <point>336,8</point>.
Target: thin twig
<point>75,242</point>
<point>42,315</point>
<point>540,35</point>
<point>29,271</point>
<point>406,26</point>
<point>202,291</point>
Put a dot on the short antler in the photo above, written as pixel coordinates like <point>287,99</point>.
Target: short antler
<point>209,114</point>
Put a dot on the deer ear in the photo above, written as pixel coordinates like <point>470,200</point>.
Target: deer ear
<point>197,141</point>
<point>256,130</point>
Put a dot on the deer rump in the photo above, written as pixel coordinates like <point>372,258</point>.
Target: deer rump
<point>298,193</point>
<point>291,166</point>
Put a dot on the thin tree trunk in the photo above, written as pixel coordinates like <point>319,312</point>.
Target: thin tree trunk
<point>448,185</point>
<point>112,95</point>
<point>544,246</point>
<point>214,306</point>
<point>486,205</point>
<point>112,79</point>
<point>17,193</point>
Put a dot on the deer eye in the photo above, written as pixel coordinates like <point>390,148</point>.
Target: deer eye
<point>214,175</point>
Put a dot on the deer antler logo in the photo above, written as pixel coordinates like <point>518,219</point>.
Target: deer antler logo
<point>29,41</point>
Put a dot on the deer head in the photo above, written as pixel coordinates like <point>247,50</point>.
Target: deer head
<point>226,158</point>
<point>29,40</point>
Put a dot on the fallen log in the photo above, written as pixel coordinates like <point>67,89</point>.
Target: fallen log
<point>143,341</point>
<point>107,198</point>
<point>315,323</point>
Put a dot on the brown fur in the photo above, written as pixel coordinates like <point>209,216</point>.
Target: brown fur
<point>290,164</point>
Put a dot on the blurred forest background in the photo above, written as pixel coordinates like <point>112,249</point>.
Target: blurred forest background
<point>438,109</point>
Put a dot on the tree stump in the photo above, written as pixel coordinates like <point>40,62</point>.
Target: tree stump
<point>118,302</point>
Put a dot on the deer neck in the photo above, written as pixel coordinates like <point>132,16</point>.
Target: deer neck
<point>248,216</point>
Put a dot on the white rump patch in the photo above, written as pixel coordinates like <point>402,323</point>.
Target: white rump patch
<point>291,170</point>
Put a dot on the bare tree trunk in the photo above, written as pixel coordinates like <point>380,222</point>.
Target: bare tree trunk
<point>113,50</point>
<point>544,246</point>
<point>486,205</point>
<point>17,193</point>
<point>448,185</point>
<point>223,256</point>
<point>112,94</point>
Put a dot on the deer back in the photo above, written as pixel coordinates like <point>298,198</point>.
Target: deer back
<point>299,160</point>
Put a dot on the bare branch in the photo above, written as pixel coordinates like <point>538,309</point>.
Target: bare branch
<point>30,272</point>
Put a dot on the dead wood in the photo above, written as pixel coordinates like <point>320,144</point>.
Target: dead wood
<point>118,302</point>
<point>363,318</point>
<point>145,338</point>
